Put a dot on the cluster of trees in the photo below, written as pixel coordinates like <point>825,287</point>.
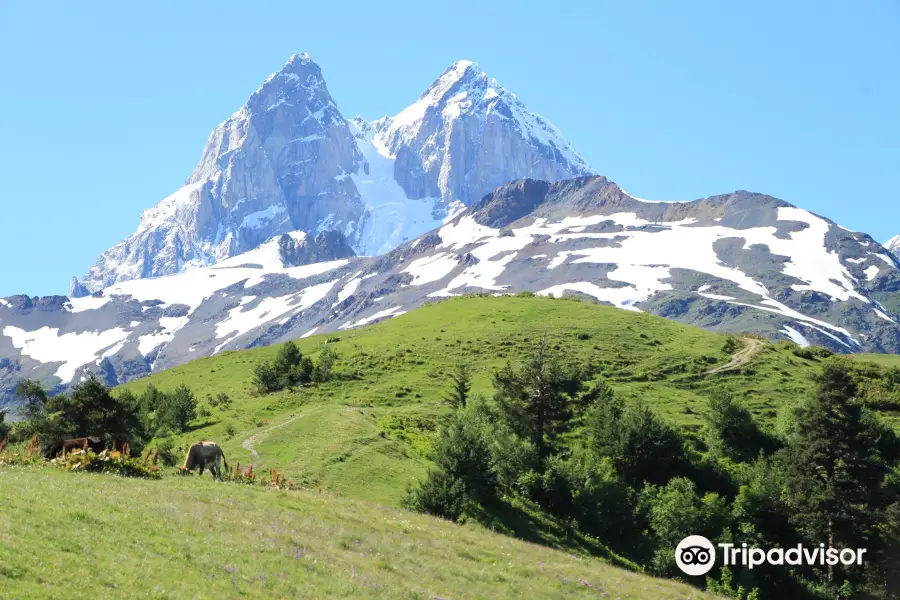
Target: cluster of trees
<point>291,369</point>
<point>91,409</point>
<point>555,438</point>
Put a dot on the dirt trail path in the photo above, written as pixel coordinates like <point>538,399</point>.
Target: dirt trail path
<point>740,358</point>
<point>256,437</point>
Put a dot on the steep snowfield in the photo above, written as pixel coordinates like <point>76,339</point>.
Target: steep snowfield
<point>391,217</point>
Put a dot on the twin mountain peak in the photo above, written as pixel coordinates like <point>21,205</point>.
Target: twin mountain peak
<point>288,160</point>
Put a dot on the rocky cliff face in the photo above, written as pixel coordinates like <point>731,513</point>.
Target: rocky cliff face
<point>278,164</point>
<point>466,135</point>
<point>739,262</point>
<point>288,161</point>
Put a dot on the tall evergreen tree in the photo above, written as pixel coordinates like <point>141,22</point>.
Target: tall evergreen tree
<point>731,431</point>
<point>835,467</point>
<point>461,382</point>
<point>288,356</point>
<point>537,400</point>
<point>647,450</point>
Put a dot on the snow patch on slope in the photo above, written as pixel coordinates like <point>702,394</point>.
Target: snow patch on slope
<point>390,312</point>
<point>795,336</point>
<point>73,350</point>
<point>644,262</point>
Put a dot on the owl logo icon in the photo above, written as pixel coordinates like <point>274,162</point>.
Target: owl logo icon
<point>695,555</point>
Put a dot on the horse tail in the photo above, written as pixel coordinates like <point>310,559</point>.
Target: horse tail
<point>224,462</point>
<point>188,463</point>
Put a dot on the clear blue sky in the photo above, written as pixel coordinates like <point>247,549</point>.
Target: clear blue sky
<point>106,106</point>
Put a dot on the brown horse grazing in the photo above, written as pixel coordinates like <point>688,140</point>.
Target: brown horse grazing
<point>205,454</point>
<point>65,446</point>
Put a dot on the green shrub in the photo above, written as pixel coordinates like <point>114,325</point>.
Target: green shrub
<point>265,378</point>
<point>440,495</point>
<point>166,449</point>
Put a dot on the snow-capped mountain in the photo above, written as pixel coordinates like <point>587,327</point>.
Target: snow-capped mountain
<point>893,245</point>
<point>288,160</point>
<point>739,262</point>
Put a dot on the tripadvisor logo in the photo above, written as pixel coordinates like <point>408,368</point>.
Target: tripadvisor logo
<point>696,555</point>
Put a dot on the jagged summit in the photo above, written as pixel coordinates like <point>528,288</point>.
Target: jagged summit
<point>464,90</point>
<point>299,57</point>
<point>288,160</point>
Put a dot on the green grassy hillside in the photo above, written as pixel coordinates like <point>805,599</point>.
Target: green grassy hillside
<point>367,438</point>
<point>885,360</point>
<point>73,535</point>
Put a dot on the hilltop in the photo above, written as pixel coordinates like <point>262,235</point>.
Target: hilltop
<point>368,437</point>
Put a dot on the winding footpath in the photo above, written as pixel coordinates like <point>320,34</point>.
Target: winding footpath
<point>740,358</point>
<point>248,444</point>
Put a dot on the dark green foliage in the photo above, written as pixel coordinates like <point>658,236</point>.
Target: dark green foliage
<point>461,385</point>
<point>676,511</point>
<point>731,431</point>
<point>440,495</point>
<point>180,409</point>
<point>812,352</point>
<point>324,368</point>
<point>602,423</point>
<point>586,488</point>
<point>642,447</point>
<point>464,475</point>
<point>835,465</point>
<point>91,409</point>
<point>292,368</point>
<point>601,503</point>
<point>537,400</point>
<point>287,358</point>
<point>4,428</point>
<point>306,369</point>
<point>167,411</point>
<point>515,460</point>
<point>463,451</point>
<point>560,440</point>
<point>265,378</point>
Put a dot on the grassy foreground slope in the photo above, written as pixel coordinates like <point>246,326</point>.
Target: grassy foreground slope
<point>73,535</point>
<point>368,437</point>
